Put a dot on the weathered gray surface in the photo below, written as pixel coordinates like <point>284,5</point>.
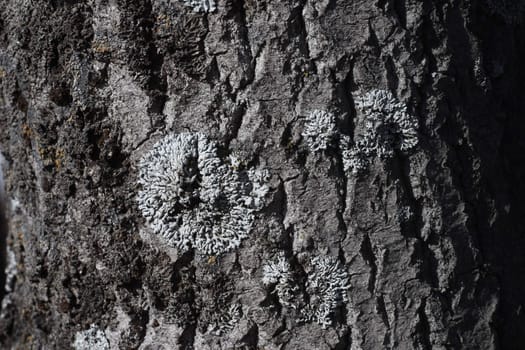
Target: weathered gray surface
<point>88,86</point>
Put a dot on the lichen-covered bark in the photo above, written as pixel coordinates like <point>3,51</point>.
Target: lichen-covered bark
<point>432,240</point>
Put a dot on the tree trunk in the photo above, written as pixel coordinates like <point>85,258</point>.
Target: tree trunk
<point>364,189</point>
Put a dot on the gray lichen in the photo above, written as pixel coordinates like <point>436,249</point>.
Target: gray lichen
<point>319,130</point>
<point>192,198</point>
<point>201,5</point>
<point>225,322</point>
<point>10,272</point>
<point>278,274</point>
<point>353,159</point>
<point>387,126</point>
<point>91,339</point>
<point>327,286</point>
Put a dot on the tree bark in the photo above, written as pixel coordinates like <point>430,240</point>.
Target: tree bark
<point>431,240</point>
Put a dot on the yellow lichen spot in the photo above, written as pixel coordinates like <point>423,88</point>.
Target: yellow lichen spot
<point>59,156</point>
<point>52,156</point>
<point>26,131</point>
<point>301,236</point>
<point>42,152</point>
<point>100,47</point>
<point>3,73</point>
<point>163,23</point>
<point>212,260</point>
<point>71,118</point>
<point>29,338</point>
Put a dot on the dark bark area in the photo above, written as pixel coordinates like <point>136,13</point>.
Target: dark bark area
<point>432,240</point>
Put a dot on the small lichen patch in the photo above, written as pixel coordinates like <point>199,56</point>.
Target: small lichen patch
<point>91,339</point>
<point>327,286</point>
<point>386,126</point>
<point>278,274</point>
<point>201,5</point>
<point>100,47</point>
<point>10,271</point>
<point>193,199</point>
<point>320,130</point>
<point>52,156</point>
<point>225,322</point>
<point>59,156</point>
<point>353,159</point>
<point>27,132</point>
<point>212,260</point>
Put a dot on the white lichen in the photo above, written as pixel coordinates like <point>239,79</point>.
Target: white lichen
<point>353,160</point>
<point>236,161</point>
<point>324,294</point>
<point>327,286</point>
<point>387,126</point>
<point>10,270</point>
<point>388,120</point>
<point>319,130</point>
<point>192,198</point>
<point>278,274</point>
<point>225,322</point>
<point>405,213</point>
<point>201,5</point>
<point>91,339</point>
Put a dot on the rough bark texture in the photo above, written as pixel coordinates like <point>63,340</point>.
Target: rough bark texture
<point>88,86</point>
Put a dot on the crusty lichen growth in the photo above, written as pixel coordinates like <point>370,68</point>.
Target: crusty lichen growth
<point>91,339</point>
<point>319,130</point>
<point>353,159</point>
<point>278,274</point>
<point>201,5</point>
<point>387,126</point>
<point>192,198</point>
<point>327,286</point>
<point>226,321</point>
<point>10,272</point>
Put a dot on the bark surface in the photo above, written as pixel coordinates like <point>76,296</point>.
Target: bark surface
<point>432,240</point>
